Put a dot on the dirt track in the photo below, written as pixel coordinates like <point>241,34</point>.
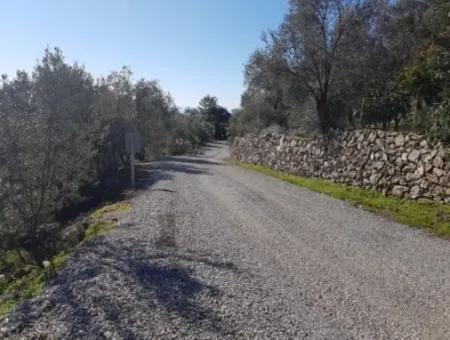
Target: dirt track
<point>215,251</point>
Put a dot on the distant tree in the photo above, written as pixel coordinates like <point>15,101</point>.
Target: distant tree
<point>215,114</point>
<point>200,130</point>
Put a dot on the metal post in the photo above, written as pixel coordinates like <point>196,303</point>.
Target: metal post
<point>132,145</point>
<point>132,162</point>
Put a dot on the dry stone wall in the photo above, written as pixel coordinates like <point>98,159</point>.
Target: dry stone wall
<point>403,165</point>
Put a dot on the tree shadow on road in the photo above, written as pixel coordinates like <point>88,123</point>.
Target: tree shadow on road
<point>148,174</point>
<point>192,160</point>
<point>215,145</point>
<point>116,288</point>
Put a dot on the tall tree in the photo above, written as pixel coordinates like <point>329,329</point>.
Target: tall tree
<point>47,140</point>
<point>115,107</point>
<point>155,114</point>
<point>316,39</point>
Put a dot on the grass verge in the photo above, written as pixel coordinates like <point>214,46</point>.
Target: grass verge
<point>428,215</point>
<point>20,281</point>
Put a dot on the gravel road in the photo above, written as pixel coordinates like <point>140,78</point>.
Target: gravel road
<point>214,251</point>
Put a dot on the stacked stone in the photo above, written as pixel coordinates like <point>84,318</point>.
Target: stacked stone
<point>403,165</point>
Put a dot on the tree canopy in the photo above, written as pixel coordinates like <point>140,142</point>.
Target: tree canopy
<point>343,63</point>
<point>215,114</point>
<point>62,141</point>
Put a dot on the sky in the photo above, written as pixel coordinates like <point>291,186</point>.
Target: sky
<point>193,47</point>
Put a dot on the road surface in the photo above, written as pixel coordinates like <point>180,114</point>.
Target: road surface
<point>215,251</point>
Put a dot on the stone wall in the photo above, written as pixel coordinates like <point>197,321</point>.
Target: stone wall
<point>404,165</point>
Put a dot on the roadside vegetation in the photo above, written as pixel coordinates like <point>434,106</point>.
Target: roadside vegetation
<point>20,279</point>
<point>63,152</point>
<point>337,64</point>
<point>428,215</point>
<point>62,142</point>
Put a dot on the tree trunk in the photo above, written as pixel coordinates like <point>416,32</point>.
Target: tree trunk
<point>323,114</point>
<point>396,124</point>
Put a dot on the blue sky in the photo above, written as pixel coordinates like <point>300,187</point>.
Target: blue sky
<point>193,47</point>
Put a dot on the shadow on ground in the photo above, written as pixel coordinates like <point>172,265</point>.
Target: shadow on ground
<point>117,288</point>
<point>113,288</point>
<point>147,174</point>
<point>191,160</point>
<point>215,145</point>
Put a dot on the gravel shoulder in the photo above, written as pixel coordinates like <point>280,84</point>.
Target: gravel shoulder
<point>214,251</point>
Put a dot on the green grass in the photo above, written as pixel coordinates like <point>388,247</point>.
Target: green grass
<point>25,281</point>
<point>118,207</point>
<point>100,226</point>
<point>428,215</point>
<point>22,281</point>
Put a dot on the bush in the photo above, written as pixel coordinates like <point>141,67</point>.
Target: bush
<point>62,141</point>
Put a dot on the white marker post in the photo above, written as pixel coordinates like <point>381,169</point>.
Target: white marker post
<point>132,145</point>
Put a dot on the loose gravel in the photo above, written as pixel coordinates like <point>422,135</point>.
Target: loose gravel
<point>211,251</point>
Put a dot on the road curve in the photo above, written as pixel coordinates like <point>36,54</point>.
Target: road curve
<point>214,251</point>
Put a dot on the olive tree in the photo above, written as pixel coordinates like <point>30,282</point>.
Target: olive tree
<point>46,135</point>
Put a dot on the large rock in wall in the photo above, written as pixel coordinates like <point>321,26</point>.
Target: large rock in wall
<point>403,165</point>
